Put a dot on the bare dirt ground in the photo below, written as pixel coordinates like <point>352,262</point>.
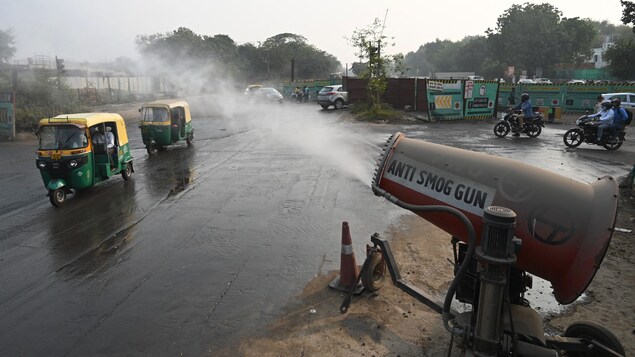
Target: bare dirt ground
<point>391,323</point>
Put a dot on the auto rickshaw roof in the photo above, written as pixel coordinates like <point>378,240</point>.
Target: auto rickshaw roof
<point>171,103</point>
<point>87,119</point>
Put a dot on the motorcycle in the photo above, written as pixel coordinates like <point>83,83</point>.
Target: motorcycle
<point>532,126</point>
<point>587,132</point>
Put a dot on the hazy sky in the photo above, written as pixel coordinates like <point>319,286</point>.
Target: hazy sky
<point>90,30</point>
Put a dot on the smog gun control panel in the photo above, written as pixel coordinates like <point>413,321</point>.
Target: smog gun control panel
<point>508,220</point>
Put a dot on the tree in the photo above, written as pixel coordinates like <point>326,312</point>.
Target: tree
<point>527,36</point>
<point>370,42</point>
<point>535,37</point>
<point>7,51</point>
<point>218,56</point>
<point>628,13</point>
<point>620,56</point>
<point>575,38</point>
<point>428,59</point>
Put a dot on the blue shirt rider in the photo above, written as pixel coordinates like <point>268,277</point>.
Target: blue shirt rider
<point>527,112</point>
<point>619,116</point>
<point>606,118</point>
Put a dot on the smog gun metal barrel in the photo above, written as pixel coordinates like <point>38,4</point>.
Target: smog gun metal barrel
<point>565,225</point>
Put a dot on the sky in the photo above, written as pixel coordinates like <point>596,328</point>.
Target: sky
<point>98,31</point>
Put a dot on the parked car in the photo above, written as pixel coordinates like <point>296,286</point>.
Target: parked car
<point>268,94</point>
<point>526,81</point>
<point>252,88</point>
<point>476,78</point>
<point>576,81</point>
<point>628,99</point>
<point>542,80</point>
<point>332,95</point>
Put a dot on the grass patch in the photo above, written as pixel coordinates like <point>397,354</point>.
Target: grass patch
<point>383,112</point>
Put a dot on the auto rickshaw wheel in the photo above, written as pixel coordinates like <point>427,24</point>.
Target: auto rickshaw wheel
<point>57,197</point>
<point>190,139</point>
<point>152,149</point>
<point>127,172</point>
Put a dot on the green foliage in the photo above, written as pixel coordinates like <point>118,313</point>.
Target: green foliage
<point>535,36</point>
<point>41,96</point>
<point>471,54</point>
<point>271,60</point>
<point>369,43</point>
<point>620,56</point>
<point>7,50</point>
<point>628,13</point>
<point>576,38</point>
<point>372,112</point>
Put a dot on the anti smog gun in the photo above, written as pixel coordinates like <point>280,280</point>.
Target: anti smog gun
<point>507,220</point>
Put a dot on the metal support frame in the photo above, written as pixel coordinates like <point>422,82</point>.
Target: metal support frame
<point>395,275</point>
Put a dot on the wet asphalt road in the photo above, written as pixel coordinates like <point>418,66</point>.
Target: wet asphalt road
<point>208,244</point>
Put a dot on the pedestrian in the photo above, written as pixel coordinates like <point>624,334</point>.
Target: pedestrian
<point>306,94</point>
<point>598,104</point>
<point>512,97</point>
<point>298,94</point>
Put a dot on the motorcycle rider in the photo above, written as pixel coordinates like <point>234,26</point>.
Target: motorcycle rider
<point>606,118</point>
<point>527,112</point>
<point>619,117</point>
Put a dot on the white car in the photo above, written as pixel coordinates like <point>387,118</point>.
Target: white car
<point>627,99</point>
<point>526,81</point>
<point>475,78</point>
<point>576,81</point>
<point>332,95</point>
<point>542,80</point>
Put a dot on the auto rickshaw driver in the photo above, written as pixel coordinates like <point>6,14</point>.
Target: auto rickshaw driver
<point>66,160</point>
<point>165,122</point>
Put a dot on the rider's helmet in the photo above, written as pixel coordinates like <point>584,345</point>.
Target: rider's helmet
<point>524,97</point>
<point>606,105</point>
<point>616,102</point>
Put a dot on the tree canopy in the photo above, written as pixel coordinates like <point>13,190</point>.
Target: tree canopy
<point>269,60</point>
<point>534,38</point>
<point>7,50</point>
<point>628,13</point>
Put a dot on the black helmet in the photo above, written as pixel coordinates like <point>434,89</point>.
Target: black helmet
<point>606,104</point>
<point>524,97</point>
<point>616,102</point>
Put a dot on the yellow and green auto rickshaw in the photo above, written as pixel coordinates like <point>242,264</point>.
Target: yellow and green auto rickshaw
<point>78,150</point>
<point>165,122</point>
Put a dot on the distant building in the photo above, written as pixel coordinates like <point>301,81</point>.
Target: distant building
<point>597,58</point>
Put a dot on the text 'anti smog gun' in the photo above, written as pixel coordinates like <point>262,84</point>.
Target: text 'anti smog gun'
<point>508,220</point>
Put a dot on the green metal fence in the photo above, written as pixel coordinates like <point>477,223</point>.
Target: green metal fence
<point>570,98</point>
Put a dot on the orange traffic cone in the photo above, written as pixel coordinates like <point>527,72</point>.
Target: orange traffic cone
<point>348,266</point>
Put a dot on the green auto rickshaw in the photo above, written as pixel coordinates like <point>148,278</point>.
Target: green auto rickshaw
<point>165,122</point>
<point>78,150</point>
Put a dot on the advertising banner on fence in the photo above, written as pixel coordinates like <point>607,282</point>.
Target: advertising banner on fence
<point>480,99</point>
<point>445,99</point>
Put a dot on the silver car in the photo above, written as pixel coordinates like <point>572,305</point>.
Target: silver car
<point>332,95</point>
<point>267,94</point>
<point>627,99</point>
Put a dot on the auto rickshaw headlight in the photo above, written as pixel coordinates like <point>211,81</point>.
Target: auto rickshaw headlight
<point>40,164</point>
